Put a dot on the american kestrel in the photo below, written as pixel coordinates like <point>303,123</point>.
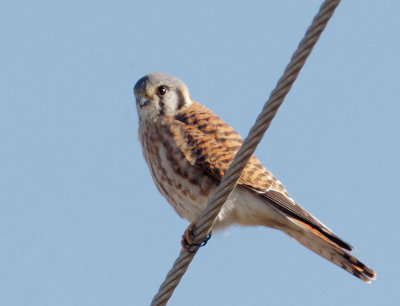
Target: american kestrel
<point>188,150</point>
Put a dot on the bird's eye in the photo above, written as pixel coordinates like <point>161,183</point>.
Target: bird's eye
<point>162,90</point>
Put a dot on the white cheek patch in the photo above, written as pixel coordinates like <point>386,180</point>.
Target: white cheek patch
<point>176,100</point>
<point>149,111</point>
<point>170,103</point>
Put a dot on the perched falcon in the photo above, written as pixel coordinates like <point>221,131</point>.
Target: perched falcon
<point>189,149</point>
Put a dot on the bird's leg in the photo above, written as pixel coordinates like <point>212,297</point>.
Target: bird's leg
<point>188,239</point>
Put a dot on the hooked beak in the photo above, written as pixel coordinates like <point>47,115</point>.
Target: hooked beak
<point>143,101</point>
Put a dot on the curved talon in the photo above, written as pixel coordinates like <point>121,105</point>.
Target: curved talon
<point>204,242</point>
<point>188,237</point>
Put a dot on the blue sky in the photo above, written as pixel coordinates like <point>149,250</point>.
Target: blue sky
<point>81,222</point>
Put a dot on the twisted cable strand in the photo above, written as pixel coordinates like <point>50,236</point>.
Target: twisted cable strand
<point>232,176</point>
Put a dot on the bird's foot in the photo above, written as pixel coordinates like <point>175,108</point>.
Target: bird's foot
<point>188,239</point>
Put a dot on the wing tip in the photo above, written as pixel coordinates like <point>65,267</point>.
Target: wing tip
<point>360,269</point>
<point>365,276</point>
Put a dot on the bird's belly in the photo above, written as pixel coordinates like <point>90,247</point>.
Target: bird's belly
<point>185,198</point>
<point>184,186</point>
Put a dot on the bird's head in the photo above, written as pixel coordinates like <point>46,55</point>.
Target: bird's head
<point>159,94</point>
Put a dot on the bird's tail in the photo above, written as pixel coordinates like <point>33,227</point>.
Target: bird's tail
<point>322,245</point>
